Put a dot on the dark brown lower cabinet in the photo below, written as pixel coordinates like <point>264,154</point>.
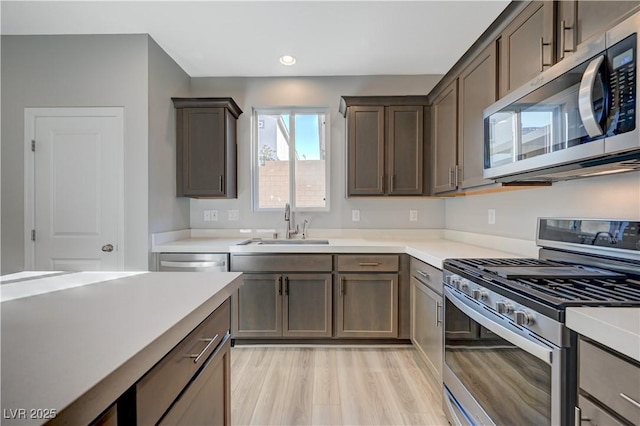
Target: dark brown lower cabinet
<point>206,400</point>
<point>108,418</point>
<point>190,385</point>
<point>283,305</point>
<point>367,305</point>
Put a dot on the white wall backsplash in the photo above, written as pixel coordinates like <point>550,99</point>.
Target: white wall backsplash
<point>613,197</point>
<point>380,212</point>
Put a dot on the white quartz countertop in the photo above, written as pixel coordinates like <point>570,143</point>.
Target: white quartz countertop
<point>616,328</point>
<point>76,350</point>
<point>200,245</point>
<point>432,250</point>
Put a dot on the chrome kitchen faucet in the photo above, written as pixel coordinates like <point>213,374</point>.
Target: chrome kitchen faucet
<point>288,217</point>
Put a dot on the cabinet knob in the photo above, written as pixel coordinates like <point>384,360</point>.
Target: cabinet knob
<point>108,248</point>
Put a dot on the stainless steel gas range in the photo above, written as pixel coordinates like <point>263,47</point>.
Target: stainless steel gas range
<point>509,359</point>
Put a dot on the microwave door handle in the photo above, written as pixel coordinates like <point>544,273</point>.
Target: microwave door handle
<point>541,352</point>
<point>585,98</point>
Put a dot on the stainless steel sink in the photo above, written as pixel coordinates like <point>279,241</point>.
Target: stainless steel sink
<point>292,242</point>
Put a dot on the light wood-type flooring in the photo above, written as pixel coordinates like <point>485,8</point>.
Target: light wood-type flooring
<point>332,386</point>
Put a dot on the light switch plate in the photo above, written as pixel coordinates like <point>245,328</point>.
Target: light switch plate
<point>206,215</point>
<point>355,215</point>
<point>214,215</point>
<point>234,215</point>
<point>413,215</point>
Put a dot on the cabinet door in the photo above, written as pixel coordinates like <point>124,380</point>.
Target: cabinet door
<point>527,46</point>
<point>578,21</point>
<point>444,138</point>
<point>427,326</point>
<point>206,400</point>
<point>203,151</point>
<point>257,307</point>
<point>307,305</point>
<point>367,305</point>
<point>405,144</point>
<point>477,90</point>
<point>365,140</point>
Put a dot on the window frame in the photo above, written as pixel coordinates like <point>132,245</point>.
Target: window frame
<point>255,176</point>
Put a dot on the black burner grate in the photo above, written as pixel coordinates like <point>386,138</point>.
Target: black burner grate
<point>558,292</point>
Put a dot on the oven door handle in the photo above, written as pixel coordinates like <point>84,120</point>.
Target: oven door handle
<point>534,348</point>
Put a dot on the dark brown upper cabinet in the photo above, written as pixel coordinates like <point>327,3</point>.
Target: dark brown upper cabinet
<point>578,21</point>
<point>444,139</point>
<point>206,150</point>
<point>386,144</point>
<point>527,45</point>
<point>476,91</point>
<point>457,125</point>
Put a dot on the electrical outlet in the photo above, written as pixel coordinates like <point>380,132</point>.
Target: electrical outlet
<point>234,215</point>
<point>413,215</point>
<point>214,215</point>
<point>206,215</point>
<point>355,215</point>
<point>491,216</point>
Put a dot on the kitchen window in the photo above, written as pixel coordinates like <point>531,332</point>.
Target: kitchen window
<point>290,158</point>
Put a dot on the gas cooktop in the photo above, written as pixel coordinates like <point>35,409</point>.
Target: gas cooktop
<point>552,283</point>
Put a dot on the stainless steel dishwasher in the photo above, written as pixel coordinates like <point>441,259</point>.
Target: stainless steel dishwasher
<point>193,262</point>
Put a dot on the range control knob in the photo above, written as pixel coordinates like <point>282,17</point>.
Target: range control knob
<point>524,318</point>
<point>462,284</point>
<point>479,294</point>
<point>504,307</point>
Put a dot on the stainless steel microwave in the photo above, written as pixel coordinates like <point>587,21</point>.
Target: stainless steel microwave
<point>578,118</point>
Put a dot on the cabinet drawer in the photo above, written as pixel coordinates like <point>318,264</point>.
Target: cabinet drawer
<point>607,378</point>
<point>595,415</point>
<point>163,383</point>
<point>206,400</point>
<point>427,274</point>
<point>367,263</point>
<point>281,262</point>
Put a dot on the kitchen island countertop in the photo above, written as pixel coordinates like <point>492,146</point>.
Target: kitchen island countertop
<point>78,349</point>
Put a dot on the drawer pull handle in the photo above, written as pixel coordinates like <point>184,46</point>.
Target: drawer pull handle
<point>629,399</point>
<point>196,357</point>
<point>438,315</point>
<point>423,273</point>
<point>369,263</point>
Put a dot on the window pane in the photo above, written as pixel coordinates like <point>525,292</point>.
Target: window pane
<point>273,160</point>
<point>310,170</point>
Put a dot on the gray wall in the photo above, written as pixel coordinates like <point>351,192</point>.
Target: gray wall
<point>615,197</point>
<point>75,71</point>
<point>166,80</point>
<point>314,91</point>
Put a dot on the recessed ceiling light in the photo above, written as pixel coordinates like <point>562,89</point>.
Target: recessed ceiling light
<point>287,60</point>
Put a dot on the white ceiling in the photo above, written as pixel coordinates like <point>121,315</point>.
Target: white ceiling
<point>246,38</point>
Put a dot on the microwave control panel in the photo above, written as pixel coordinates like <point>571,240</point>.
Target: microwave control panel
<point>622,60</point>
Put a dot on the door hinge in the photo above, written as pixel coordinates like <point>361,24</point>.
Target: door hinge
<point>33,145</point>
<point>33,235</point>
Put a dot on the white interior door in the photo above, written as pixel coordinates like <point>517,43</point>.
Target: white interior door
<point>77,189</point>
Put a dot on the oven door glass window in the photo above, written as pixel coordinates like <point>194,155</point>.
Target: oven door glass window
<point>512,386</point>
